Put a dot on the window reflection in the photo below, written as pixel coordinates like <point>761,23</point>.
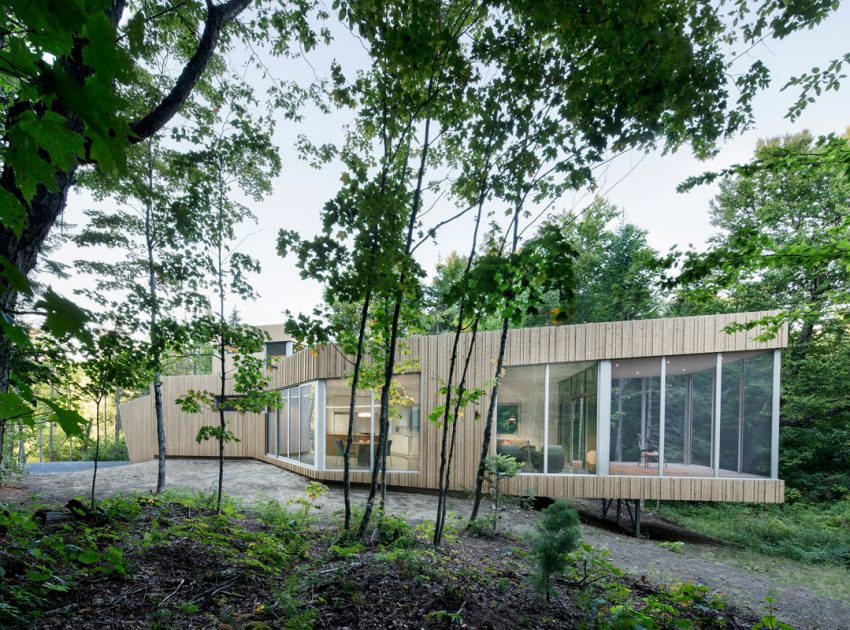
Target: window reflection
<point>568,443</point>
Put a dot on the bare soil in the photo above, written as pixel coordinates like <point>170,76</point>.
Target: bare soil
<point>250,481</point>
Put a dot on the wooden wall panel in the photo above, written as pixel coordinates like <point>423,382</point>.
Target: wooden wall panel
<point>583,342</point>
<point>181,428</point>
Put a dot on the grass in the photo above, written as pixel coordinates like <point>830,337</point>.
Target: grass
<point>828,580</point>
<point>810,533</point>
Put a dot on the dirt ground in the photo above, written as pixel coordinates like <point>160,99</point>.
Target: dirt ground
<point>252,480</point>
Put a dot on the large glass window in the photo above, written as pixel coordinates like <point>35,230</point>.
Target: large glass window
<point>405,423</point>
<point>635,417</point>
<point>307,431</point>
<point>688,415</point>
<point>403,445</point>
<point>294,423</point>
<point>556,435</point>
<point>746,411</point>
<point>338,393</point>
<point>691,444</point>
<point>571,446</point>
<point>520,416</point>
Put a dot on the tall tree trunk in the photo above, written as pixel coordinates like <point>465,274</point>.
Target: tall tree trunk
<point>393,341</point>
<point>355,379</point>
<point>22,451</point>
<point>488,423</point>
<point>96,449</point>
<point>445,458</point>
<point>153,318</point>
<point>446,474</point>
<point>50,431</point>
<point>118,425</point>
<point>222,341</point>
<point>491,407</point>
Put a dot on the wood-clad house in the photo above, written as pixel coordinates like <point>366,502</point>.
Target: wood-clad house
<point>673,409</point>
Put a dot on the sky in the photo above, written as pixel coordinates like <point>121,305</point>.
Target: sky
<point>642,185</point>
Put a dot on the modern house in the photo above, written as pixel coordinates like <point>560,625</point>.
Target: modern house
<point>673,409</point>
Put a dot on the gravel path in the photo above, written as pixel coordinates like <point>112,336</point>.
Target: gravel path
<point>46,468</point>
<point>252,480</point>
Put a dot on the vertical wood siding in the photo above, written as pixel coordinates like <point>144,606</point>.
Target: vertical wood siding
<point>529,346</point>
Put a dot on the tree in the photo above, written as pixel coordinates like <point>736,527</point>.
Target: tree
<point>781,246</point>
<point>70,75</point>
<point>110,362</point>
<point>616,272</point>
<point>556,533</point>
<point>441,313</point>
<point>158,272</point>
<point>229,156</point>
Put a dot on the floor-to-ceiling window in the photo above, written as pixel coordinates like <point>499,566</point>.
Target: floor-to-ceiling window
<point>306,452</point>
<point>338,392</point>
<point>520,415</point>
<point>635,416</point>
<point>689,415</point>
<point>293,426</point>
<point>746,414</point>
<point>546,417</point>
<point>693,413</point>
<point>405,424</point>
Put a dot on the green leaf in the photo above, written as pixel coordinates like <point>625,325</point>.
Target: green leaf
<point>89,556</point>
<point>70,421</point>
<point>14,277</point>
<point>14,331</point>
<point>13,215</point>
<point>64,317</point>
<point>136,32</point>
<point>13,406</point>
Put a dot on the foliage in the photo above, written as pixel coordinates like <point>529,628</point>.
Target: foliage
<point>615,272</point>
<point>312,491</point>
<point>556,534</point>
<point>497,468</point>
<point>805,531</point>
<point>674,546</point>
<point>783,240</point>
<point>588,564</point>
<point>769,620</point>
<point>79,91</point>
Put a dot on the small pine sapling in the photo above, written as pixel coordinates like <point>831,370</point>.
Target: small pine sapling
<point>556,534</point>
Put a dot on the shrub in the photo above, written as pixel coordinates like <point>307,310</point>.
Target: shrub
<point>557,533</point>
<point>395,532</point>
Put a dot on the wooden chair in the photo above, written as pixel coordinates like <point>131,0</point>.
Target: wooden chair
<point>646,454</point>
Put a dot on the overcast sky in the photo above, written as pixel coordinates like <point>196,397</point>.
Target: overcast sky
<point>642,185</point>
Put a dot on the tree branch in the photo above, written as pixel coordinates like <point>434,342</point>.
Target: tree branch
<point>218,16</point>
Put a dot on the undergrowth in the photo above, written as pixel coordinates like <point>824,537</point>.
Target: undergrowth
<point>170,561</point>
<point>802,531</point>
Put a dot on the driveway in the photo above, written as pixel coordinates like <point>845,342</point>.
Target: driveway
<point>250,480</point>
